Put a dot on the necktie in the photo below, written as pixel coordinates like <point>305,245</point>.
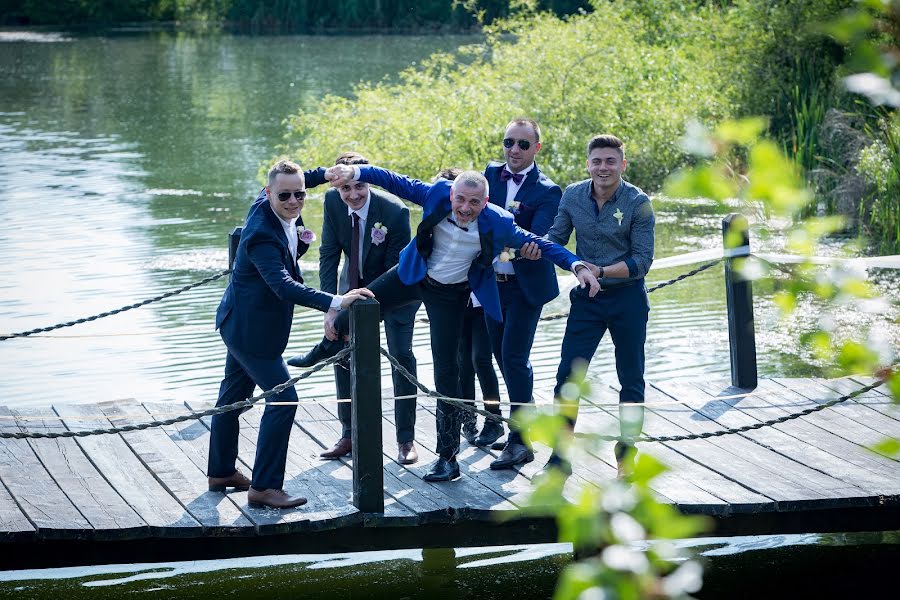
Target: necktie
<point>449,220</point>
<point>506,175</point>
<point>353,278</point>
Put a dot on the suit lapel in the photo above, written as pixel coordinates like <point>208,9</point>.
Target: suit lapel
<point>373,217</point>
<point>486,237</point>
<point>500,189</point>
<point>425,231</point>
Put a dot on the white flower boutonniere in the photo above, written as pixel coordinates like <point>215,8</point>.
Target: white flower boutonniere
<point>513,207</point>
<point>619,215</point>
<point>506,255</point>
<point>307,236</point>
<point>379,233</point>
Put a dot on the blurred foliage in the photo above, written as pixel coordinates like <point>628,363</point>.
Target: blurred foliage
<point>282,15</point>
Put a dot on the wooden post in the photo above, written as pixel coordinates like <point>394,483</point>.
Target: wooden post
<point>739,296</point>
<point>365,377</point>
<point>234,238</point>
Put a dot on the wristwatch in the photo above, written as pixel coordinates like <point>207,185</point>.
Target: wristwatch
<point>601,273</point>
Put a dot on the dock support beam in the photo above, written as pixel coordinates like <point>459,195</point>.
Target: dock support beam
<point>365,375</point>
<point>739,296</point>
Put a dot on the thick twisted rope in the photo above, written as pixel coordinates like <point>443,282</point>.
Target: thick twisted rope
<point>464,405</point>
<point>108,313</point>
<point>186,417</point>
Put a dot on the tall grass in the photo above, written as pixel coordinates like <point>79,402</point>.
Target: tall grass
<point>879,163</point>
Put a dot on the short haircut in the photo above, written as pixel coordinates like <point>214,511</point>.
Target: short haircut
<point>530,123</point>
<point>471,179</point>
<point>606,141</point>
<point>282,166</point>
<point>351,158</point>
<point>449,173</point>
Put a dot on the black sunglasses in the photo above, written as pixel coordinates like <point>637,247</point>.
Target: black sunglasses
<point>285,196</point>
<point>523,144</point>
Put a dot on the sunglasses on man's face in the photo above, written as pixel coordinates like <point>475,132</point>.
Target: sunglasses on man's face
<point>298,194</point>
<point>523,144</point>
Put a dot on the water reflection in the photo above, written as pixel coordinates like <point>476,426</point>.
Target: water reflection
<point>126,159</point>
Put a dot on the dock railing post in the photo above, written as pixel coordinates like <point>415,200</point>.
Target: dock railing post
<point>739,297</point>
<point>365,375</point>
<point>234,238</point>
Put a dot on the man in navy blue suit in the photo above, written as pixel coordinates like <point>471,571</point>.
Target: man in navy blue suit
<point>254,320</point>
<point>452,255</point>
<point>369,228</point>
<point>524,285</point>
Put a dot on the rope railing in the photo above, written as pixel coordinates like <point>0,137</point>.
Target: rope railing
<point>467,405</point>
<point>185,417</point>
<point>108,313</point>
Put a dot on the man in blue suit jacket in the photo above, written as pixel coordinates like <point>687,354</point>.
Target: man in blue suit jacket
<point>524,285</point>
<point>452,255</point>
<point>254,320</point>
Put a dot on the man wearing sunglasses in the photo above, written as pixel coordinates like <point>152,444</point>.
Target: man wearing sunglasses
<point>452,255</point>
<point>254,320</point>
<point>524,285</point>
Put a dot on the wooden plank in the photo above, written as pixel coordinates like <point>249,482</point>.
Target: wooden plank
<point>35,491</point>
<point>321,492</point>
<point>799,440</point>
<point>805,486</point>
<point>107,512</point>
<point>127,474</point>
<point>819,393</point>
<point>691,486</point>
<point>837,423</point>
<point>176,472</point>
<point>14,525</point>
<point>777,402</point>
<point>500,491</point>
<point>432,503</point>
<point>874,399</point>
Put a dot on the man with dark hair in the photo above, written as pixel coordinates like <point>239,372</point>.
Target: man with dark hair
<point>369,228</point>
<point>254,319</point>
<point>614,228</point>
<point>455,245</point>
<point>525,285</point>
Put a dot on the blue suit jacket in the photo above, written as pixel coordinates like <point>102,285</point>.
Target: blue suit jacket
<point>258,305</point>
<point>538,200</point>
<point>496,227</point>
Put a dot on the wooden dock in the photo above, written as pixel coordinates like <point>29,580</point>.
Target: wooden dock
<point>141,496</point>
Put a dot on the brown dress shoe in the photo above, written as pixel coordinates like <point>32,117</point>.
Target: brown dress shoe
<point>238,481</point>
<point>273,499</point>
<point>406,453</point>
<point>343,447</point>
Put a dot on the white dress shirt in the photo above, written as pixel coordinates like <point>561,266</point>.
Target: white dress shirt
<point>454,251</point>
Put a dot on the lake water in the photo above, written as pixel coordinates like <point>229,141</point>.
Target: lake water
<point>127,157</point>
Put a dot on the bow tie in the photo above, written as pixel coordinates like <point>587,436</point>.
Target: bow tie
<point>506,175</point>
<point>449,220</point>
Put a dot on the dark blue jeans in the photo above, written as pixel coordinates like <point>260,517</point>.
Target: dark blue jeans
<point>624,312</point>
<point>511,341</point>
<point>243,373</point>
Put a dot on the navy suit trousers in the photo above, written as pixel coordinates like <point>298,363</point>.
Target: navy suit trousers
<point>624,312</point>
<point>511,341</point>
<point>243,373</point>
<point>475,358</point>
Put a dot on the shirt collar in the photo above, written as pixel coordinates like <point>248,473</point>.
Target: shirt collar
<point>364,211</point>
<point>286,224</point>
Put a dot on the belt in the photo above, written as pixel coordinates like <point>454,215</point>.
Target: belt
<point>619,286</point>
<point>505,276</point>
<point>429,280</point>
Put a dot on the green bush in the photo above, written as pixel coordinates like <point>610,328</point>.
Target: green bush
<point>640,70</point>
<point>879,164</point>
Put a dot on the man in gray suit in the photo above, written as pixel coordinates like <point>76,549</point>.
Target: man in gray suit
<point>382,231</point>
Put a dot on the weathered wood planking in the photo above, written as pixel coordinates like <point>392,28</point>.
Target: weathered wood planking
<point>151,485</point>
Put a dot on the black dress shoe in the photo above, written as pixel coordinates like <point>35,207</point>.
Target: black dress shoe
<point>513,454</point>
<point>324,349</point>
<point>490,433</point>
<point>443,469</point>
<point>556,463</point>
<point>470,430</point>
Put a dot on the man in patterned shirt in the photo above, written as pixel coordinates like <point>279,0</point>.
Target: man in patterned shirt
<point>613,223</point>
